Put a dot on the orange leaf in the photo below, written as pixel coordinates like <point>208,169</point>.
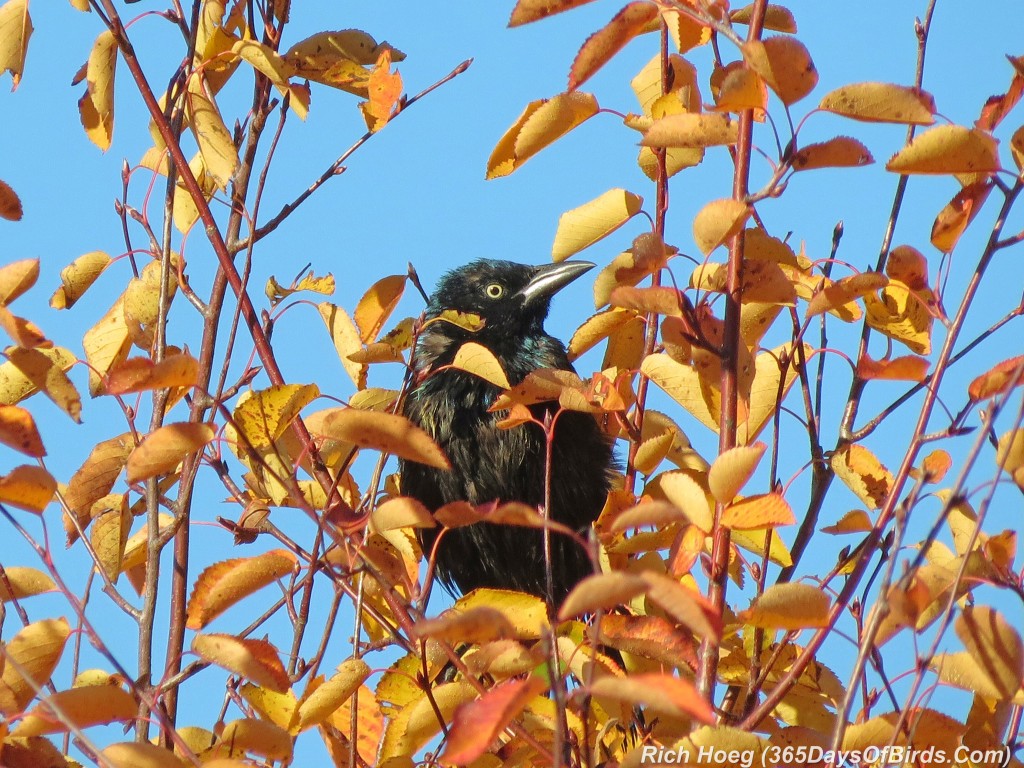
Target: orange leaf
<point>377,304</point>
<point>225,583</point>
<point>140,374</point>
<point>384,432</point>
<point>1004,377</point>
<point>28,487</point>
<point>958,214</point>
<point>164,448</point>
<point>840,152</point>
<point>18,430</point>
<point>907,368</point>
<point>601,592</point>
<point>863,474</point>
<point>10,204</point>
<point>478,723</point>
<point>526,11</point>
<point>855,521</point>
<point>79,708</point>
<point>480,624</point>
<point>788,606</point>
<point>255,660</point>
<point>384,91</point>
<point>665,694</point>
<point>600,47</point>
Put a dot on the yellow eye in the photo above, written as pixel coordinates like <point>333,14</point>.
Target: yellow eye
<point>494,290</point>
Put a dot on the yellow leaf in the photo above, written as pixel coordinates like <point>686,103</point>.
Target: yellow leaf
<point>612,38</point>
<point>77,277</point>
<point>1010,454</point>
<point>947,149</point>
<point>739,89</point>
<point>10,204</point>
<point>164,448</point>
<point>384,432</point>
<point>837,296</point>
<point>541,123</point>
<point>840,152</point>
<point>600,592</point>
<point>97,475</point>
<point>996,646</point>
<point>24,333</point>
<point>266,60</point>
<point>718,221</point>
<point>220,158</point>
<point>732,469</point>
<point>96,107</point>
<point>259,737</point>
<point>863,474</point>
<point>902,314</point>
<point>225,583</point>
<point>110,531</point>
<point>79,708</point>
<point>754,513</point>
<point>854,521</point>
<point>15,30</point>
<point>140,755</point>
<point>346,340</point>
<point>788,606</point>
<point>16,278</point>
<point>339,59</point>
<point>785,64</point>
<point>377,304</point>
<point>36,650</point>
<point>526,613</point>
<point>309,282</point>
<point>684,492</point>
<point>186,212</point>
<point>776,18</point>
<point>255,660</point>
<point>333,693</point>
<point>480,361</point>
<point>881,103</point>
<point>383,91</point>
<point>593,221</point>
<point>24,582</point>
<point>596,328</point>
<point>692,131</point>
<point>683,76</point>
<point>400,512</point>
<point>262,416</point>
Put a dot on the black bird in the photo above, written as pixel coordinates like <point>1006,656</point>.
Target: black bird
<point>492,464</point>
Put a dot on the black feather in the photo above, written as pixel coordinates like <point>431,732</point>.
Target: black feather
<point>492,464</point>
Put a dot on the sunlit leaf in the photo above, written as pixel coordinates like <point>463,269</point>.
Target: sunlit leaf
<point>77,277</point>
<point>999,379</point>
<point>164,448</point>
<point>881,103</point>
<point>333,693</point>
<point>220,157</point>
<point>480,361</point>
<point>526,11</point>
<point>947,149</point>
<point>377,304</point>
<point>785,65</point>
<point>540,124</point>
<point>10,204</point>
<point>776,17</point>
<point>605,43</point>
<point>96,107</point>
<point>255,660</point>
<point>36,650</point>
<point>732,469</point>
<point>593,221</point>
<point>79,708</point>
<point>958,213</point>
<point>384,432</point>
<point>225,583</point>
<point>792,605</point>
<point>28,487</point>
<point>691,131</point>
<point>840,152</point>
<point>768,510</point>
<point>15,31</point>
<point>718,221</point>
<point>666,694</point>
<point>477,724</point>
<point>383,90</point>
<point>907,368</point>
<point>863,474</point>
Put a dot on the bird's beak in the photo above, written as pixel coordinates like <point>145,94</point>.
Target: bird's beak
<point>551,278</point>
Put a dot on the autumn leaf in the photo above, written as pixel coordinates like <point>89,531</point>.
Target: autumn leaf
<point>10,204</point>
<point>96,107</point>
<point>863,474</point>
<point>593,221</point>
<point>384,432</point>
<point>788,606</point>
<point>717,221</point>
<point>15,31</point>
<point>947,149</point>
<point>478,723</point>
<point>691,131</point>
<point>28,487</point>
<point>35,650</point>
<point>164,448</point>
<point>77,277</point>
<point>785,65</point>
<point>526,11</point>
<point>1002,378</point>
<point>881,103</point>
<point>220,157</point>
<point>732,469</point>
<point>480,361</point>
<point>225,583</point>
<point>255,660</point>
<point>384,89</point>
<point>840,152</point>
<point>541,123</point>
<point>600,47</point>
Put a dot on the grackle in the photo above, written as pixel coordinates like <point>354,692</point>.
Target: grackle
<point>492,464</point>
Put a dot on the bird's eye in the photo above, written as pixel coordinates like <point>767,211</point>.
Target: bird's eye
<point>494,290</point>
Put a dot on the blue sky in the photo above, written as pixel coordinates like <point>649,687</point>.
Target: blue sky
<point>416,192</point>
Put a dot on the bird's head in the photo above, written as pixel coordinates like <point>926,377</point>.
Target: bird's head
<point>512,299</point>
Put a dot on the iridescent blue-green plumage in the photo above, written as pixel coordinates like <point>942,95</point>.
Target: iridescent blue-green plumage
<point>492,464</point>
